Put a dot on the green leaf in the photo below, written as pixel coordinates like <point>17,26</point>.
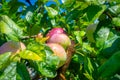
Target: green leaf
<point>92,12</point>
<point>88,68</point>
<point>53,22</point>
<point>116,21</point>
<point>13,9</point>
<point>9,72</point>
<point>2,39</point>
<point>102,34</point>
<point>22,71</point>
<point>88,76</point>
<point>79,35</point>
<point>67,3</point>
<point>34,19</point>
<point>38,49</point>
<point>52,60</point>
<point>29,16</point>
<point>4,59</point>
<point>117,1</point>
<point>73,15</point>
<point>88,65</point>
<point>101,1</point>
<point>107,41</point>
<point>50,64</point>
<point>87,48</point>
<point>46,70</point>
<point>51,12</point>
<point>115,10</point>
<point>90,30</point>
<point>27,54</point>
<point>110,67</point>
<point>8,27</point>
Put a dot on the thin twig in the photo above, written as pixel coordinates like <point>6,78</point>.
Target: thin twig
<point>27,37</point>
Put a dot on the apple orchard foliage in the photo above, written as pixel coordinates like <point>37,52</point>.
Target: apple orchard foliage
<point>93,26</point>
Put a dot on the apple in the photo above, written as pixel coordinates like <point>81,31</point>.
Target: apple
<point>61,39</point>
<point>55,31</point>
<point>12,46</point>
<point>59,51</point>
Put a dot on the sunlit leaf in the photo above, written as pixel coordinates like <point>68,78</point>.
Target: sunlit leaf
<point>115,9</point>
<point>67,3</point>
<point>77,58</point>
<point>92,25</point>
<point>27,54</point>
<point>79,35</point>
<point>38,49</point>
<point>114,1</point>
<point>49,63</point>
<point>9,72</point>
<point>88,66</point>
<point>8,27</point>
<point>102,34</point>
<point>101,1</point>
<point>29,16</point>
<point>88,76</point>
<point>51,12</point>
<point>4,59</point>
<point>107,41</point>
<point>116,21</point>
<point>87,48</point>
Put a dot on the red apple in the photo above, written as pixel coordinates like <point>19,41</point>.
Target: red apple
<point>61,39</point>
<point>58,51</point>
<point>55,31</point>
<point>12,46</point>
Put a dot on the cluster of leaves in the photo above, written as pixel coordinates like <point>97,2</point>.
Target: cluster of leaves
<point>92,24</point>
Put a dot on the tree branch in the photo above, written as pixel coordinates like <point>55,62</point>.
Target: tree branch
<point>62,70</point>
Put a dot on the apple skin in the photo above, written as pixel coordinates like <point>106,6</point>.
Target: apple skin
<point>12,46</point>
<point>61,39</point>
<point>59,51</point>
<point>55,31</point>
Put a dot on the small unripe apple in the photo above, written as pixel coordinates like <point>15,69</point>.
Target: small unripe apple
<point>59,51</point>
<point>55,31</point>
<point>61,39</point>
<point>12,46</point>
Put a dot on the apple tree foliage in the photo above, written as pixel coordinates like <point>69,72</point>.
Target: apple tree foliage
<point>93,25</point>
